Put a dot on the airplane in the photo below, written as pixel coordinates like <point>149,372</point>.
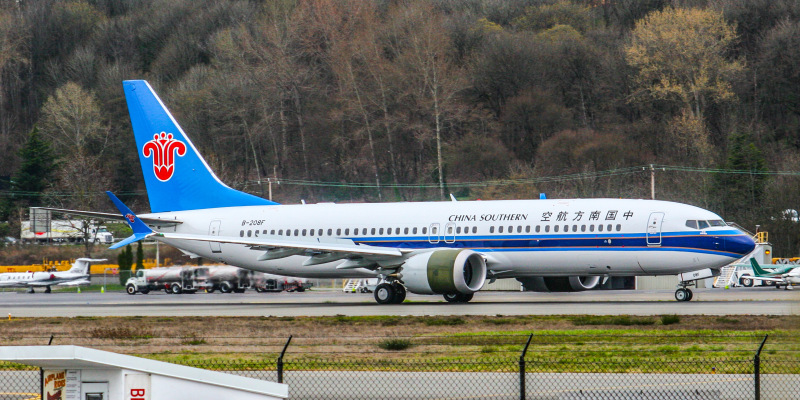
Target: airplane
<point>78,275</point>
<point>782,276</point>
<point>448,248</point>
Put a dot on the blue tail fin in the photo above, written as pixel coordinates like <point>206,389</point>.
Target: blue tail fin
<point>176,175</point>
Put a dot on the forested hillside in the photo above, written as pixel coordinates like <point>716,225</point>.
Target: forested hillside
<point>414,100</point>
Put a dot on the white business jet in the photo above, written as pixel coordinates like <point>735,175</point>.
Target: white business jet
<point>78,275</point>
<point>447,248</point>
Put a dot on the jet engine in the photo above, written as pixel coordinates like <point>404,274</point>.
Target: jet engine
<point>560,283</point>
<point>444,271</point>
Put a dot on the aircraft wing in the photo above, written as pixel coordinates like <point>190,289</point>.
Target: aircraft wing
<point>269,243</point>
<point>111,216</point>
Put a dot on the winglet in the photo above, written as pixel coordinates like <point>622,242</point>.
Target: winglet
<point>140,229</point>
<point>757,268</point>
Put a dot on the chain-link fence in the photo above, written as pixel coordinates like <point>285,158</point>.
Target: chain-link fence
<point>502,378</point>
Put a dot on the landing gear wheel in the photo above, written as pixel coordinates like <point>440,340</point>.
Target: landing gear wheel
<point>691,295</point>
<point>458,297</point>
<point>400,293</point>
<point>385,293</point>
<point>683,294</point>
<point>47,290</point>
<point>175,289</point>
<point>130,289</point>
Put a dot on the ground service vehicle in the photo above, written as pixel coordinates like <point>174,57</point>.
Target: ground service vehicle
<point>174,280</point>
<point>66,231</point>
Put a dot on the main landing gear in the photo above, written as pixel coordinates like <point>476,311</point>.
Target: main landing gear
<point>684,293</point>
<point>458,297</point>
<point>390,293</point>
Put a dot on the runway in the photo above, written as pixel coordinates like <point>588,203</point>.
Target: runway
<point>738,301</point>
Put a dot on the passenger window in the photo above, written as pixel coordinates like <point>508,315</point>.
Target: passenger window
<point>304,232</point>
<point>566,228</point>
<point>255,233</point>
<point>702,224</point>
<point>397,231</point>
<point>510,229</point>
<point>373,231</point>
<point>600,228</point>
<point>555,228</point>
<point>241,233</point>
<point>249,233</point>
<point>458,229</point>
<point>338,231</point>
<point>574,228</point>
<point>380,231</point>
<point>330,232</point>
<point>527,229</point>
<point>414,231</point>
<point>347,231</point>
<point>691,224</point>
<point>608,228</point>
<point>280,232</point>
<point>425,230</point>
<point>591,228</point>
<point>319,233</point>
<point>538,229</point>
<point>499,229</point>
<point>272,232</point>
<point>547,228</point>
<point>405,231</point>
<point>583,228</point>
<point>296,231</point>
<point>491,229</point>
<point>619,227</point>
<point>519,229</point>
<point>474,229</point>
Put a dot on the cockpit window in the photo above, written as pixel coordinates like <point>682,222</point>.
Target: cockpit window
<point>702,224</point>
<point>717,222</point>
<point>691,224</point>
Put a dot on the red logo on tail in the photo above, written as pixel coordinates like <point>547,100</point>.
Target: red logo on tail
<point>163,149</point>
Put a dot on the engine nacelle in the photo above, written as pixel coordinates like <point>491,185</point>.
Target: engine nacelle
<point>444,271</point>
<point>560,283</point>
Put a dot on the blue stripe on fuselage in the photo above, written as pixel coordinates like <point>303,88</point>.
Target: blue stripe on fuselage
<point>670,241</point>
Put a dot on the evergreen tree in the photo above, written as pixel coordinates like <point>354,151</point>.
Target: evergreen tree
<point>38,164</point>
<point>139,256</point>
<point>125,261</point>
<point>741,193</point>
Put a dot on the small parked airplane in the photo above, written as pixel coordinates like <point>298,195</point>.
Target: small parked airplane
<point>447,248</point>
<point>785,276</point>
<point>78,275</point>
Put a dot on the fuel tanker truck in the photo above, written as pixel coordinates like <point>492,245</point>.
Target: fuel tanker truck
<point>173,280</point>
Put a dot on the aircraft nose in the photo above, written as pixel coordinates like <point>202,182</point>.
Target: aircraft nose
<point>740,244</point>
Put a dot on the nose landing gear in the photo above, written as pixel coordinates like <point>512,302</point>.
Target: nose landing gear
<point>684,293</point>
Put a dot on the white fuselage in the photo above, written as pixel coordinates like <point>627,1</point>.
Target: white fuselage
<point>610,237</point>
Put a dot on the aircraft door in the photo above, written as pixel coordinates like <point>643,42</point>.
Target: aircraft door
<point>450,232</point>
<point>433,233</point>
<point>213,230</point>
<point>653,232</point>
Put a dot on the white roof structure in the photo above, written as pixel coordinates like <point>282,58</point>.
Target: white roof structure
<point>76,357</point>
